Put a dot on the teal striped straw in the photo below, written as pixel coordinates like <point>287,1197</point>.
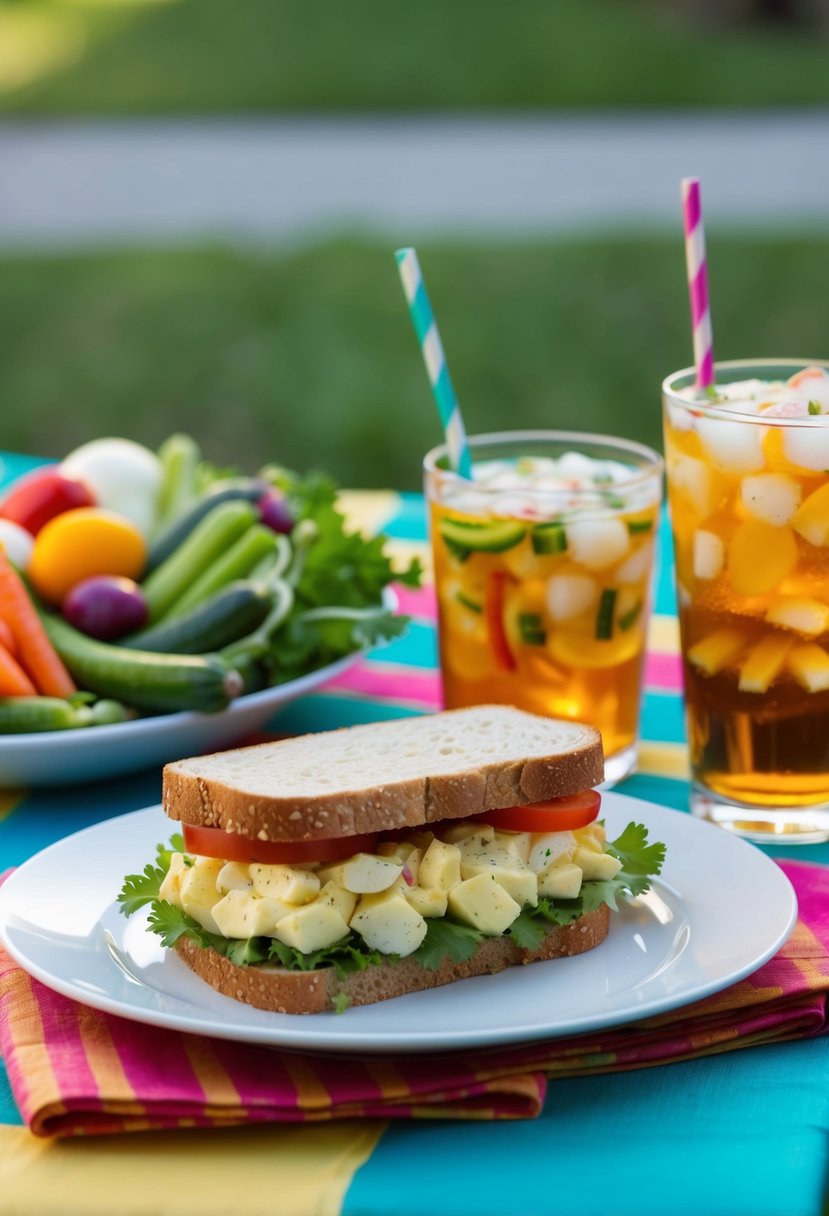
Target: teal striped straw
<point>425,325</point>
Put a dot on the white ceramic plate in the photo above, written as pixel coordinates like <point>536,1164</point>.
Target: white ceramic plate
<point>67,757</point>
<point>721,909</point>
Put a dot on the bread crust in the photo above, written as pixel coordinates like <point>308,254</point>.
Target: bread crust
<point>297,992</point>
<point>194,799</point>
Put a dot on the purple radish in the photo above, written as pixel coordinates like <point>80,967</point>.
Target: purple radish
<point>275,513</point>
<point>106,607</point>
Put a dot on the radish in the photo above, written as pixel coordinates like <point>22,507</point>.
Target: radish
<point>105,607</point>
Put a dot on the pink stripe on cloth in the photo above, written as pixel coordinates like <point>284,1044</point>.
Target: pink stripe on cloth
<point>418,602</point>
<point>392,683</point>
<point>241,1083</point>
<point>663,671</point>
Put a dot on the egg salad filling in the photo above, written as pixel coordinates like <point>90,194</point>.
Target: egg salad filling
<point>427,894</point>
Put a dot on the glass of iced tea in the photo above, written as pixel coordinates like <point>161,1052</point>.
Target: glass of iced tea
<point>543,568</point>
<point>748,484</point>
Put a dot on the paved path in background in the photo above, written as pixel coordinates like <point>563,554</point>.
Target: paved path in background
<point>88,182</point>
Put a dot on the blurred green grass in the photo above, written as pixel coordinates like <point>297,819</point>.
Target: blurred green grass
<point>195,56</point>
<point>307,357</point>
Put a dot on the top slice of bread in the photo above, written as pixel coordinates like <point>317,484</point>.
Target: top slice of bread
<point>385,775</point>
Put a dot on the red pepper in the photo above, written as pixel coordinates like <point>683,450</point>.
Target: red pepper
<point>41,495</point>
<point>494,617</point>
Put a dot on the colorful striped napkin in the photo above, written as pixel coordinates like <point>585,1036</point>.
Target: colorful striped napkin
<point>75,1071</point>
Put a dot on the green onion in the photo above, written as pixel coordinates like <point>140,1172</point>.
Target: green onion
<point>630,617</point>
<point>531,630</point>
<point>472,605</point>
<point>604,616</point>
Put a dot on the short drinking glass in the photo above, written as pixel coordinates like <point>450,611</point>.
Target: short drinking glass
<point>543,575</point>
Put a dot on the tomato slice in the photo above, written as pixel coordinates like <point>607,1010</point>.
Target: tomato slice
<point>216,842</point>
<point>494,616</point>
<point>554,815</point>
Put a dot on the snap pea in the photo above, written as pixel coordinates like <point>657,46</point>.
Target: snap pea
<point>210,538</point>
<point>236,489</point>
<point>30,715</point>
<point>237,562</point>
<point>179,456</point>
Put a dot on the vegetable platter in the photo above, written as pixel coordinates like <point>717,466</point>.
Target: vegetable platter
<point>153,605</point>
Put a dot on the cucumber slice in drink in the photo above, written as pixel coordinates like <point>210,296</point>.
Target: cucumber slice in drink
<point>549,538</point>
<point>463,537</point>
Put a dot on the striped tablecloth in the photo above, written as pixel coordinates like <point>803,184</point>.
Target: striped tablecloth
<point>741,1133</point>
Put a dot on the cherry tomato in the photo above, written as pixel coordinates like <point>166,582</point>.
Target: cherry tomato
<point>216,842</point>
<point>554,815</point>
<point>42,494</point>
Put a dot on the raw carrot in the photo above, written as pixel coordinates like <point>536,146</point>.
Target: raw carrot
<point>6,635</point>
<point>35,651</point>
<point>13,680</point>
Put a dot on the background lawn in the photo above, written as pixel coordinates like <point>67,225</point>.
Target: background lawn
<point>198,56</point>
<point>308,357</point>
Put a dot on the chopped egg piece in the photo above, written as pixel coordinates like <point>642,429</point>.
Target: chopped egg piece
<point>484,904</point>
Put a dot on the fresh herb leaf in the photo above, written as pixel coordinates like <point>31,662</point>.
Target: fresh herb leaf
<point>346,956</point>
<point>446,939</point>
<point>526,932</point>
<point>340,1001</point>
<point>141,889</point>
<point>164,852</point>
<point>640,860</point>
<point>171,923</point>
<point>319,636</point>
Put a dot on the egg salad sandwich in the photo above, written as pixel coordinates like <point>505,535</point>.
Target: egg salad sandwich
<point>356,865</point>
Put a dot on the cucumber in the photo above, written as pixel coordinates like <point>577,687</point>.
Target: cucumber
<point>212,535</point>
<point>237,562</point>
<point>549,538</point>
<point>160,682</point>
<point>637,526</point>
<point>231,614</point>
<point>604,616</point>
<point>463,537</point>
<point>236,489</point>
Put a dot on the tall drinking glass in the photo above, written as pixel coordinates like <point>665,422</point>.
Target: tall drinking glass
<point>543,574</point>
<point>748,485</point>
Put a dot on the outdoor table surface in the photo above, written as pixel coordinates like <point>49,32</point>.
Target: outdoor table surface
<point>745,1132</point>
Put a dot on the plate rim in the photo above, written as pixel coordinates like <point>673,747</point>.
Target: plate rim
<point>377,1042</point>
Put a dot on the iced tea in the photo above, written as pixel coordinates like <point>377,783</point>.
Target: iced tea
<point>543,571</point>
<point>748,483</point>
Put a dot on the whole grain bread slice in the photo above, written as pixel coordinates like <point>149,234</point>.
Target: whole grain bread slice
<point>281,991</point>
<point>385,775</point>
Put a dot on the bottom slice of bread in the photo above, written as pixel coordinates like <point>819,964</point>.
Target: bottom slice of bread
<point>282,991</point>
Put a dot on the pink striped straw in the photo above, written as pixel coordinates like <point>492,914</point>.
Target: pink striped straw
<point>697,265</point>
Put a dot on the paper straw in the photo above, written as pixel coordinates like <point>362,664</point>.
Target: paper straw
<point>697,265</point>
<point>420,310</point>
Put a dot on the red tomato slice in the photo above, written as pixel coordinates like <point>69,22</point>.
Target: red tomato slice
<point>554,815</point>
<point>216,842</point>
<point>494,617</point>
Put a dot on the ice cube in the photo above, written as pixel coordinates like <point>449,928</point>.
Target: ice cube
<point>709,554</point>
<point>597,543</point>
<point>734,447</point>
<point>799,613</point>
<point>694,480</point>
<point>771,497</point>
<point>808,446</point>
<point>569,595</point>
<point>636,567</point>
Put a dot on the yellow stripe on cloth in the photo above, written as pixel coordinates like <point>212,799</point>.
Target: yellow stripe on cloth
<point>293,1171</point>
<point>369,510</point>
<point>402,551</point>
<point>664,760</point>
<point>663,635</point>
